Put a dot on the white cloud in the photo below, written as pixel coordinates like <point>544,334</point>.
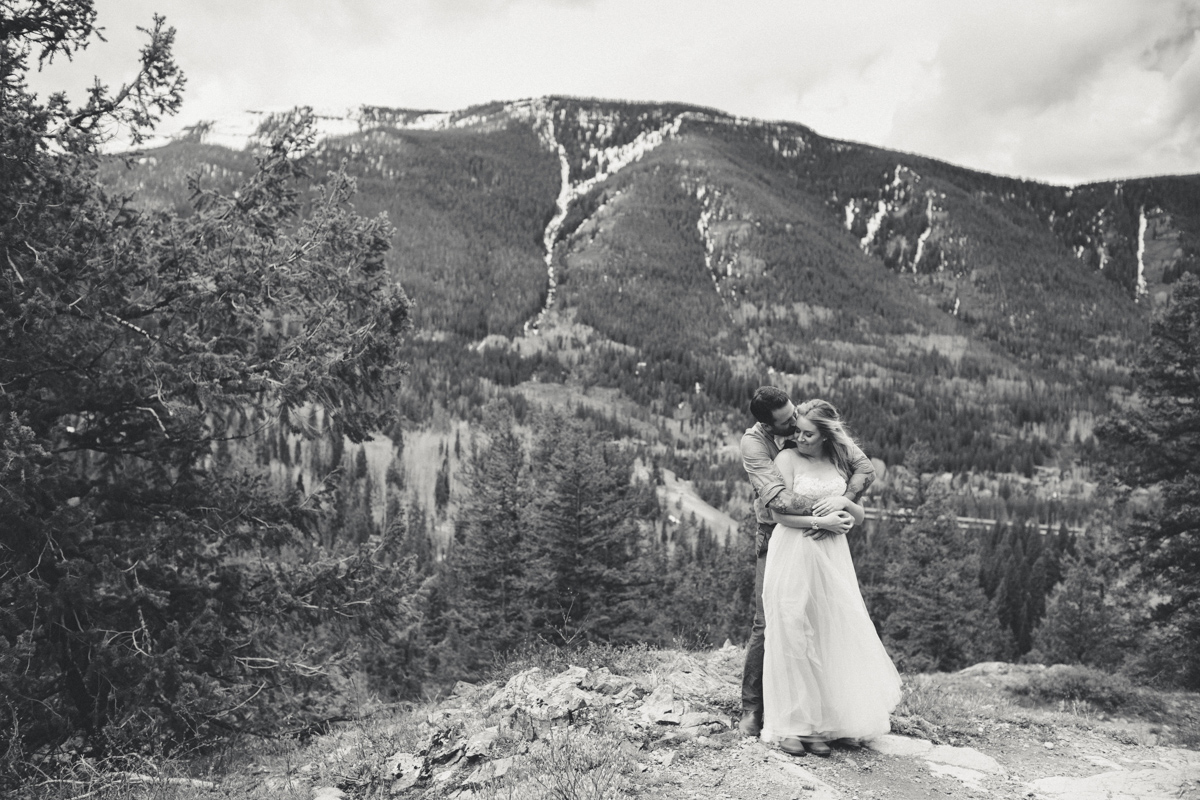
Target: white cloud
<point>1056,91</point>
<point>1062,90</point>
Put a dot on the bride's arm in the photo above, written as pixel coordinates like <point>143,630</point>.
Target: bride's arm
<point>837,522</point>
<point>855,510</point>
<point>841,503</point>
<point>786,461</point>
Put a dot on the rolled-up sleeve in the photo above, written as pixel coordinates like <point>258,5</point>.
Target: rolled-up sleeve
<point>760,467</point>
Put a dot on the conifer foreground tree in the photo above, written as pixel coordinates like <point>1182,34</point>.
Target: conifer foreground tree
<point>1091,617</point>
<point>489,554</point>
<point>1157,444</point>
<point>143,596</point>
<point>932,611</point>
<point>584,540</point>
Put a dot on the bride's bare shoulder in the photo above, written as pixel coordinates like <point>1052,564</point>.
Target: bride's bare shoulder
<point>789,456</point>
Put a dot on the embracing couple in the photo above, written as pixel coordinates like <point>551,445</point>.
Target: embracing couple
<point>815,669</point>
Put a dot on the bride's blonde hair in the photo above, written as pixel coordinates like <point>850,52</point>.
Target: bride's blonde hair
<point>836,440</point>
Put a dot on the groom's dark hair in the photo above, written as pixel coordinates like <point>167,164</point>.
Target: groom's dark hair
<point>765,401</point>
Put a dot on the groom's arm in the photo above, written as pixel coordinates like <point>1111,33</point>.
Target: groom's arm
<point>767,480</point>
<point>864,474</point>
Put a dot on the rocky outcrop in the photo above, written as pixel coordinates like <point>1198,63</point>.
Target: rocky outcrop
<point>665,730</point>
<point>482,733</point>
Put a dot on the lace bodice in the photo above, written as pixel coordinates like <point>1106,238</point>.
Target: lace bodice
<point>814,488</point>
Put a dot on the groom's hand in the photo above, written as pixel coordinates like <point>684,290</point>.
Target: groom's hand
<point>828,505</point>
<point>838,523</point>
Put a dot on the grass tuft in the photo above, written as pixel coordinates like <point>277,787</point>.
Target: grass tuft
<point>590,763</point>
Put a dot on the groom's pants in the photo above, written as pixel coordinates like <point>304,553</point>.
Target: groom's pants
<point>752,672</point>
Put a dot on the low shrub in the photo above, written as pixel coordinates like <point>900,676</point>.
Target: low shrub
<point>1067,683</point>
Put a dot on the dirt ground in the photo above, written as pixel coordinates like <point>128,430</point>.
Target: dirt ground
<point>1019,763</point>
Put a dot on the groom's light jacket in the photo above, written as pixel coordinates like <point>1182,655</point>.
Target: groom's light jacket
<point>759,448</point>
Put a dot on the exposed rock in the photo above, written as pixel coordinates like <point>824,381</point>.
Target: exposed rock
<point>489,771</point>
<point>441,750</point>
<point>481,742</point>
<point>604,682</point>
<point>987,668</point>
<point>891,745</point>
<point>964,764</point>
<point>542,698</point>
<point>519,725</point>
<point>967,757</point>
<point>695,718</point>
<point>404,770</point>
<point>971,778</point>
<point>662,707</point>
<point>1143,784</point>
<point>448,772</point>
<point>464,689</point>
<point>684,721</point>
<point>692,678</point>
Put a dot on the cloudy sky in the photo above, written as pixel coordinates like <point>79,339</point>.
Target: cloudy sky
<point>1058,90</point>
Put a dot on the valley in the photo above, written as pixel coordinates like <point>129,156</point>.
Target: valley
<point>647,266</point>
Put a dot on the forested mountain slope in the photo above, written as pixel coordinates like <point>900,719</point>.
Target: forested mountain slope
<point>657,262</point>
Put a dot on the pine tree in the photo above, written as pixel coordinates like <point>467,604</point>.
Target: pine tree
<point>492,526</point>
<point>1084,621</point>
<point>1158,445</point>
<point>585,541</point>
<point>145,601</point>
<point>934,614</point>
<point>441,486</point>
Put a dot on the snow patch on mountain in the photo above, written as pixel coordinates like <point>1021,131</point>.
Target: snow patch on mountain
<point>873,225</point>
<point>924,237</point>
<point>720,246</point>
<point>562,206</point>
<point>605,161</point>
<point>1140,289</point>
<point>254,127</point>
<point>908,227</point>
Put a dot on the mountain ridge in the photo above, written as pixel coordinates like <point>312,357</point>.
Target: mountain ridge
<point>610,124</point>
<point>679,257</point>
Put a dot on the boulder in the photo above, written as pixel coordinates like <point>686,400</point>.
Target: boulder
<point>542,698</point>
<point>481,742</point>
<point>662,707</point>
<point>488,771</point>
<point>604,682</point>
<point>403,770</point>
<point>693,678</point>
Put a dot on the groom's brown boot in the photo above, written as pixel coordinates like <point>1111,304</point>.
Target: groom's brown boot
<point>751,723</point>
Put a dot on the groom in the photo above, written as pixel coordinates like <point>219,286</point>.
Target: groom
<point>762,441</point>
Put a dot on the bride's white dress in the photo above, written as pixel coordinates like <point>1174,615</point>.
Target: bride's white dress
<point>825,672</point>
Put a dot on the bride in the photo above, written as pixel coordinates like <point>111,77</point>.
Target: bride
<point>826,675</point>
